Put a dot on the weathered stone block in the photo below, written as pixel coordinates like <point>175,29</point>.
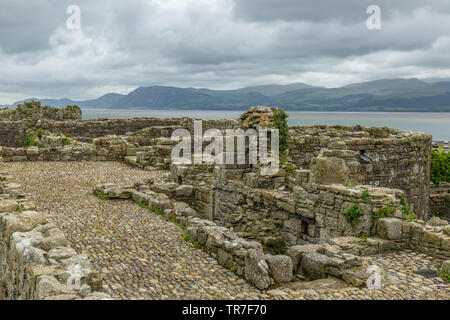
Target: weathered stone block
<point>328,170</point>
<point>296,253</point>
<point>314,265</point>
<point>280,268</point>
<point>256,269</point>
<point>432,238</point>
<point>389,228</point>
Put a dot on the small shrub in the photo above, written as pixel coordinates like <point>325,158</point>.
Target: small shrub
<point>384,212</point>
<point>351,213</point>
<point>440,167</point>
<point>366,197</point>
<point>406,210</point>
<point>445,275</point>
<point>32,140</point>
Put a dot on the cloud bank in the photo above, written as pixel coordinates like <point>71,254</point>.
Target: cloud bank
<point>219,44</point>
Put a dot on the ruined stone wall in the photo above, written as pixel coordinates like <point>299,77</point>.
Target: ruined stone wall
<point>99,128</point>
<point>401,160</point>
<point>102,149</point>
<point>440,200</point>
<point>12,134</point>
<point>310,213</point>
<point>338,257</point>
<point>441,188</point>
<point>33,111</point>
<point>36,261</point>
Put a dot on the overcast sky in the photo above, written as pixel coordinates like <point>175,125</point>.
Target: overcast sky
<point>219,44</point>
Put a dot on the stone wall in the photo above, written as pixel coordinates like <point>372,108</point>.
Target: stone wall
<point>440,200</point>
<point>396,159</point>
<point>12,134</point>
<point>308,213</point>
<point>338,257</point>
<point>33,111</point>
<point>441,188</point>
<point>36,261</point>
<point>99,128</point>
<point>102,149</point>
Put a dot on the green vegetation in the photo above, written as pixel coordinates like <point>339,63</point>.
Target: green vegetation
<point>440,167</point>
<point>160,212</point>
<point>179,225</point>
<point>279,122</point>
<point>187,238</point>
<point>65,141</point>
<point>101,196</point>
<point>325,269</point>
<point>366,197</point>
<point>445,275</point>
<point>350,185</point>
<point>289,169</point>
<point>32,140</point>
<point>351,213</point>
<point>406,210</point>
<point>385,212</point>
<point>316,203</point>
<point>280,247</point>
<point>156,211</point>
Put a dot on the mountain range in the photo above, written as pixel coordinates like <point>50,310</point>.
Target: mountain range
<point>429,95</point>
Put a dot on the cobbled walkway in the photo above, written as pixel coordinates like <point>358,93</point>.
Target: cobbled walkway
<point>142,256</point>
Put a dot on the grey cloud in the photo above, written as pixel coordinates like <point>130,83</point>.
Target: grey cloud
<point>217,44</point>
<point>338,11</point>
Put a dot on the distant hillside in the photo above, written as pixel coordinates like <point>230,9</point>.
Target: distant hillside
<point>274,89</point>
<point>380,95</point>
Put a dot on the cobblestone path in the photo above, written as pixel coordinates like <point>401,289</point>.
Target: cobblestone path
<point>142,256</point>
